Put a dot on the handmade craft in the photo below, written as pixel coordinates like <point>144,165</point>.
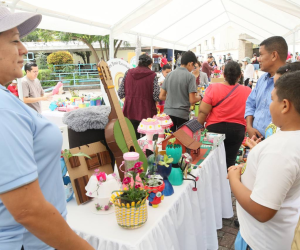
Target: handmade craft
<point>100,187</point>
<point>119,133</point>
<point>165,122</point>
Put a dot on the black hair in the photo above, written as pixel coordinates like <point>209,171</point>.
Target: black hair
<point>188,57</point>
<point>166,66</point>
<point>288,87</point>
<point>28,66</point>
<point>232,72</point>
<point>145,60</point>
<point>210,57</point>
<point>289,67</point>
<point>276,43</point>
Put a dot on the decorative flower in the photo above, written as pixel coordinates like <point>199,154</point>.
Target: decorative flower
<point>138,164</point>
<point>140,171</point>
<point>137,186</point>
<point>106,207</point>
<point>114,175</point>
<point>126,180</point>
<point>90,193</point>
<point>101,176</point>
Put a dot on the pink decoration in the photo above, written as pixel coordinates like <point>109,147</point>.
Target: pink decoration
<point>164,120</point>
<point>57,88</point>
<point>149,126</point>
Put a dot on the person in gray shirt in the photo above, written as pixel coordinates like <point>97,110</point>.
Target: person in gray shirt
<point>33,92</point>
<point>179,91</point>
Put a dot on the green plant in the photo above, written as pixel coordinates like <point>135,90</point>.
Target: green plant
<point>59,58</point>
<point>74,93</point>
<point>153,181</point>
<point>41,60</point>
<point>166,161</point>
<point>134,191</point>
<point>66,153</point>
<point>172,142</point>
<point>68,68</point>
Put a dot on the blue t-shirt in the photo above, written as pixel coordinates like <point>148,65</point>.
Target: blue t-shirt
<point>30,149</point>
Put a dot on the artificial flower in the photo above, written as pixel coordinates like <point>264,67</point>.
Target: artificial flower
<point>101,175</point>
<point>126,180</point>
<point>137,186</point>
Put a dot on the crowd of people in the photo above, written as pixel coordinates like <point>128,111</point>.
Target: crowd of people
<point>267,187</point>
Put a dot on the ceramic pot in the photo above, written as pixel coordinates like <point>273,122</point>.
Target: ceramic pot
<point>165,172</point>
<point>156,194</point>
<point>174,152</point>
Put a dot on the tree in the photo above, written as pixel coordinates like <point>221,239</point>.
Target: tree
<point>40,35</point>
<point>85,55</point>
<point>59,58</point>
<point>89,39</point>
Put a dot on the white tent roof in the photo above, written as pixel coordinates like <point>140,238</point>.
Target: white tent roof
<point>179,24</point>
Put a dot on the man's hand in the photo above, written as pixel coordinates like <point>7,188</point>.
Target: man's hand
<point>253,133</point>
<point>234,172</point>
<point>251,143</point>
<point>47,98</point>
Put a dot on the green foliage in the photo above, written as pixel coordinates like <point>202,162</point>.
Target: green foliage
<point>60,57</point>
<point>40,35</point>
<point>68,154</point>
<point>166,162</point>
<point>41,60</point>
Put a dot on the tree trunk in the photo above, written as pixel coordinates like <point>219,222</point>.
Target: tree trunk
<point>107,51</point>
<point>117,48</point>
<point>88,55</point>
<point>91,48</point>
<point>100,42</point>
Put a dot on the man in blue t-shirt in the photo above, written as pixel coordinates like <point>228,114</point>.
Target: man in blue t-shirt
<point>272,55</point>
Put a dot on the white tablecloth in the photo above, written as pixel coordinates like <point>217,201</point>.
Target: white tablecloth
<point>187,220</point>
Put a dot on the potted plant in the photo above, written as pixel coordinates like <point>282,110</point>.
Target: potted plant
<point>155,189</point>
<point>73,158</point>
<point>130,203</point>
<point>174,150</point>
<point>164,168</point>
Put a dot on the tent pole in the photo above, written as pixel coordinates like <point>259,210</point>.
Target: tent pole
<point>111,46</point>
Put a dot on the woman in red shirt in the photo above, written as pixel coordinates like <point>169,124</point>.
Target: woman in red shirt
<point>223,110</point>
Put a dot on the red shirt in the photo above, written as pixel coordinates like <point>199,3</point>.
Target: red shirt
<point>13,89</point>
<point>164,61</point>
<point>230,110</point>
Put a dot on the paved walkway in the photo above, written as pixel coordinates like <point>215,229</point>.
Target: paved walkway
<point>227,234</point>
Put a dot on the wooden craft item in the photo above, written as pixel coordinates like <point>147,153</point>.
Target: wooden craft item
<point>80,174</point>
<point>93,162</point>
<point>74,161</point>
<point>80,184</point>
<point>119,132</point>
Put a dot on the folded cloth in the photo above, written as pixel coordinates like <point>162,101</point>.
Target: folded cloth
<point>80,120</point>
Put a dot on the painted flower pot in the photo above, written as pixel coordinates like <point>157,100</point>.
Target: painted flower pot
<point>156,194</point>
<point>165,172</point>
<point>174,152</point>
<point>176,176</point>
<point>130,216</point>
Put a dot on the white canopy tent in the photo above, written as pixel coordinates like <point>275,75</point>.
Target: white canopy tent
<point>173,24</point>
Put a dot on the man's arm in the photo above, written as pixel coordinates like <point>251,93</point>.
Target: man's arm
<point>36,99</point>
<point>242,195</point>
<point>249,114</point>
<point>29,208</point>
<point>194,98</point>
<point>162,95</point>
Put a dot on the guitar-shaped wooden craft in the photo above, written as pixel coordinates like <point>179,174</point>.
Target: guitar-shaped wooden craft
<point>119,132</point>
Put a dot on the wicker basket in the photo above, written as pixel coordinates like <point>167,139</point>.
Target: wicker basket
<point>130,217</point>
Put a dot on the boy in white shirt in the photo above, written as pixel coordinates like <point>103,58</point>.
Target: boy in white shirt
<point>267,188</point>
